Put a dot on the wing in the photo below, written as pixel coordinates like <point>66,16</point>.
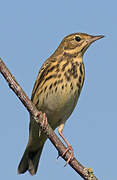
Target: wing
<point>48,71</point>
<point>40,78</point>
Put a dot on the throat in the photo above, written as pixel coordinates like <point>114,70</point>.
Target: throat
<point>75,57</point>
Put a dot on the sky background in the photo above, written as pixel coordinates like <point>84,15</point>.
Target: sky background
<point>30,31</point>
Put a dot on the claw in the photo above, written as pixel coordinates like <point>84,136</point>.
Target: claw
<point>57,157</point>
<point>69,148</point>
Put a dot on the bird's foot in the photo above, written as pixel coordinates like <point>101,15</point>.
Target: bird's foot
<point>69,148</point>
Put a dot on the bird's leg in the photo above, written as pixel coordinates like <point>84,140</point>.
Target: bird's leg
<point>69,147</point>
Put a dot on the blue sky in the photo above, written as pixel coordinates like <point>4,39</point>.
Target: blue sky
<point>30,31</point>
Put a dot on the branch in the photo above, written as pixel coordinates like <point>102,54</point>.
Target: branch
<point>85,173</point>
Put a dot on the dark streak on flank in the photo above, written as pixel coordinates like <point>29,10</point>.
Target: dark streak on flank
<point>75,75</point>
<point>80,79</point>
<point>81,69</point>
<point>77,64</point>
<point>57,65</point>
<point>59,81</point>
<point>66,76</point>
<point>50,77</point>
<point>57,70</point>
<point>41,91</point>
<point>69,71</point>
<point>45,88</point>
<point>79,91</point>
<point>50,86</point>
<point>47,70</point>
<point>51,69</point>
<point>62,86</point>
<point>83,80</point>
<point>59,75</point>
<point>55,89</point>
<point>64,65</point>
<point>78,85</point>
<point>55,83</point>
<point>74,68</point>
<point>71,86</point>
<point>53,60</point>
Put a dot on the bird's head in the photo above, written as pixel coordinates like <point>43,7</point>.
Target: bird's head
<point>77,43</point>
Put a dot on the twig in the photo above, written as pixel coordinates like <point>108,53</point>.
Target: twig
<point>85,173</point>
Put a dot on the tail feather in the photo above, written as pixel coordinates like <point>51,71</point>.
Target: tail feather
<point>30,161</point>
<point>23,166</point>
<point>34,161</point>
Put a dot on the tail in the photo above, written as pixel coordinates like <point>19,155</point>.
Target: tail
<point>30,161</point>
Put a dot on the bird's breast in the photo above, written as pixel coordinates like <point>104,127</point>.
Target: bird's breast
<point>62,93</point>
<point>57,95</point>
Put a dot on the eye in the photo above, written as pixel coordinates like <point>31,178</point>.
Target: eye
<point>77,38</point>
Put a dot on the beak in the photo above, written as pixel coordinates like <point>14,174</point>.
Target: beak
<point>94,38</point>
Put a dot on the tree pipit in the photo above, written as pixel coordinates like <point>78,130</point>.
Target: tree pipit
<point>56,92</point>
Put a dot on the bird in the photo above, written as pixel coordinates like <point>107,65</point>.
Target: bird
<point>55,93</point>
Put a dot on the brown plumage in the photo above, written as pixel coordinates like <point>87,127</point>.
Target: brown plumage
<point>56,91</point>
